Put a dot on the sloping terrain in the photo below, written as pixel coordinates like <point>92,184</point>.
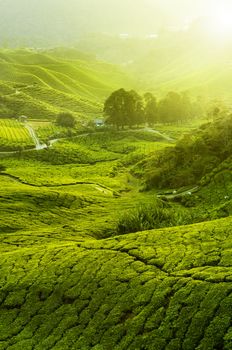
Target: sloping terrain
<point>165,289</point>
<point>65,285</point>
<point>203,153</point>
<point>41,84</point>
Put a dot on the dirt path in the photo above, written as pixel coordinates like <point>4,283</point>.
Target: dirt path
<point>99,187</point>
<point>166,137</point>
<point>179,194</point>
<point>38,145</point>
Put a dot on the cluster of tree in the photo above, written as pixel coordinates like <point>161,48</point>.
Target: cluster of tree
<point>128,108</point>
<point>194,156</point>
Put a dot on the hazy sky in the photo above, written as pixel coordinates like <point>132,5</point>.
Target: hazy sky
<point>72,18</point>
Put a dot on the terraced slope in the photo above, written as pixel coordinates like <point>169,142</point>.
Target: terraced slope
<point>165,289</point>
<point>41,84</point>
<point>14,136</point>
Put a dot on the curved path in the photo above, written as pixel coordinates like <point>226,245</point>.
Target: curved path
<point>102,188</point>
<point>39,146</point>
<point>167,138</point>
<point>179,194</point>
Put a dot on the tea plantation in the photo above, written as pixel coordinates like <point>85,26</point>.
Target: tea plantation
<point>164,289</point>
<point>101,247</point>
<point>70,280</point>
<point>14,136</point>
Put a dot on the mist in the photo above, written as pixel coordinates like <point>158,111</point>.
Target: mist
<point>60,21</point>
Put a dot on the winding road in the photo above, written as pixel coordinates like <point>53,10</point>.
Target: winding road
<point>40,146</point>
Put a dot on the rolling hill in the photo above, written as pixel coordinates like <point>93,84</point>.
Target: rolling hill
<point>40,84</point>
<point>165,289</point>
<point>68,280</point>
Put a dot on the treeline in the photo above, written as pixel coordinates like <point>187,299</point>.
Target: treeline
<point>195,156</point>
<point>128,108</point>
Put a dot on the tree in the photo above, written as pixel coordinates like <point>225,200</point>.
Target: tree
<point>135,109</point>
<point>174,107</point>
<point>66,119</point>
<point>115,108</point>
<point>151,110</point>
<point>124,108</point>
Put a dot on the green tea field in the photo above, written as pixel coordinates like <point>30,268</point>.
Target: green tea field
<point>14,135</point>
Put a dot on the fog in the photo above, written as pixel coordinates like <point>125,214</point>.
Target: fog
<point>67,20</point>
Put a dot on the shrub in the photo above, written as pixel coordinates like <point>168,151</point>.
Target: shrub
<point>66,120</point>
<point>145,217</point>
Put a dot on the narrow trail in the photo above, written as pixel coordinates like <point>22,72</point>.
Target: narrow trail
<point>99,187</point>
<point>166,137</point>
<point>179,194</point>
<point>38,145</point>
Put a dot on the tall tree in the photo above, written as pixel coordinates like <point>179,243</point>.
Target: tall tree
<point>135,108</point>
<point>115,108</point>
<point>174,107</point>
<point>124,108</point>
<point>151,110</point>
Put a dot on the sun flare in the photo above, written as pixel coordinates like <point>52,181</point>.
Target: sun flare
<point>220,22</point>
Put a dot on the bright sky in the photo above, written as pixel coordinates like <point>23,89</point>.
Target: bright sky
<point>113,16</point>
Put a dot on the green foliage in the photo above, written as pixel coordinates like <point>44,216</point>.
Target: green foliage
<point>150,109</point>
<point>66,120</point>
<point>41,84</point>
<point>128,108</point>
<point>2,168</point>
<point>162,288</point>
<point>66,285</point>
<point>174,108</point>
<point>194,156</point>
<point>145,217</point>
<point>14,136</point>
<point>124,108</point>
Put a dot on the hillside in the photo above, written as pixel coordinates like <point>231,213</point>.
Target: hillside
<point>42,83</point>
<point>203,153</point>
<point>188,60</point>
<point>166,289</point>
<point>70,281</point>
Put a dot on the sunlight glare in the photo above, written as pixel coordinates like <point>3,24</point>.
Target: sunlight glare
<point>220,22</point>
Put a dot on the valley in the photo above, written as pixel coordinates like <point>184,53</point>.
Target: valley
<point>112,236</point>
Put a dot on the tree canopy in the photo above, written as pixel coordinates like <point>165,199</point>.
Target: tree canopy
<point>124,108</point>
<point>128,108</point>
<point>66,119</point>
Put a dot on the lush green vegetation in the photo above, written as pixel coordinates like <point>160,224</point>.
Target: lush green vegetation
<point>195,156</point>
<point>155,290</point>
<point>128,108</point>
<point>43,84</point>
<point>69,281</point>
<point>111,239</point>
<point>14,136</point>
